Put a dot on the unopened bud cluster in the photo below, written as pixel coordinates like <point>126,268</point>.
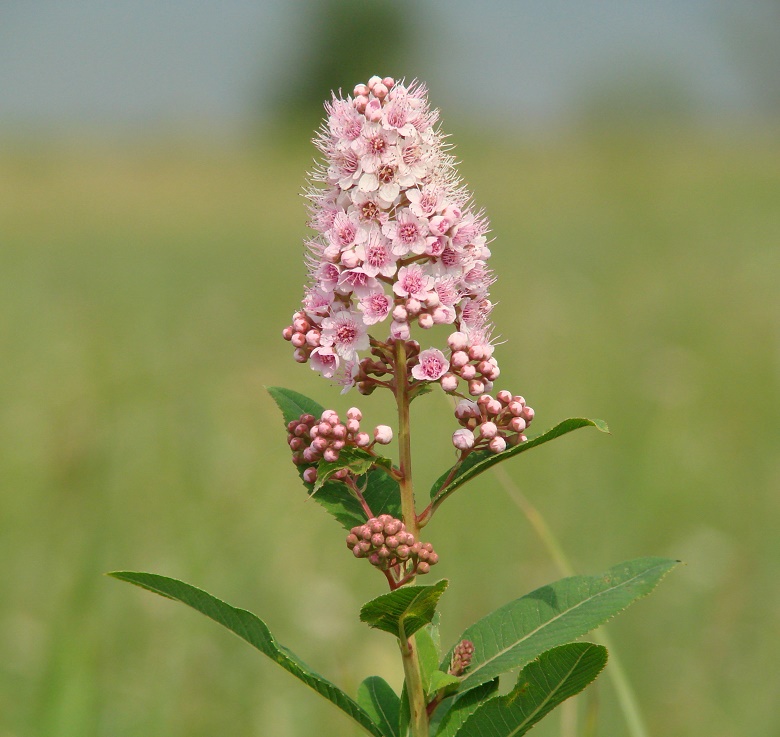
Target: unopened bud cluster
<point>379,365</point>
<point>472,363</point>
<point>461,657</point>
<point>312,440</point>
<point>492,423</point>
<point>385,542</point>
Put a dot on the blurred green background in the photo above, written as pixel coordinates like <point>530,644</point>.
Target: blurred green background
<point>150,253</point>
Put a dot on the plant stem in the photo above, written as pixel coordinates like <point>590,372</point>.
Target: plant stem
<point>401,386</point>
<point>418,713</point>
<point>411,662</point>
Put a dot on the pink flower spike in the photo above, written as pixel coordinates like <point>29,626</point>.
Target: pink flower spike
<point>432,365</point>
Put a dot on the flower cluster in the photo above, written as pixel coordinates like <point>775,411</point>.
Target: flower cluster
<point>499,422</point>
<point>461,657</point>
<point>312,440</point>
<point>397,241</point>
<point>385,542</point>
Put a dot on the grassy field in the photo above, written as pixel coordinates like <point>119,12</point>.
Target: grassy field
<point>142,293</point>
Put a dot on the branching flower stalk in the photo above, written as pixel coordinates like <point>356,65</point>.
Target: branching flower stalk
<point>399,249</point>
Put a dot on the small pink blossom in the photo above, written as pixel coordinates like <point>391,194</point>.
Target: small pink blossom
<point>375,307</point>
<point>408,233</point>
<point>376,256</point>
<point>432,365</point>
<point>345,332</point>
<point>413,282</point>
<point>325,361</point>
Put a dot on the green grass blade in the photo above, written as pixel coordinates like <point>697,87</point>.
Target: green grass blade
<point>252,629</point>
<point>542,685</point>
<point>513,635</point>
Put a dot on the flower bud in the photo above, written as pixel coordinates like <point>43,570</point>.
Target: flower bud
<point>393,526</point>
<point>388,82</point>
<point>488,430</point>
<point>331,455</point>
<point>399,314</point>
<point>353,413</point>
<point>383,434</point>
<point>377,539</point>
<point>310,475</point>
<point>458,341</point>
<point>459,358</point>
<point>425,320</point>
<point>517,424</point>
<point>528,414</point>
<point>463,439</point>
<point>497,444</point>
<point>360,89</point>
<point>504,396</point>
<point>423,567</point>
<point>362,439</point>
<point>449,382</point>
<point>476,387</point>
<point>353,426</point>
<point>402,551</point>
<point>287,333</point>
<point>380,91</point>
<point>374,81</point>
<point>391,542</point>
<point>300,355</point>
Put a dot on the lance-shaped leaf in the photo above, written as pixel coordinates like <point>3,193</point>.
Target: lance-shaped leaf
<point>479,461</point>
<point>252,629</point>
<point>453,712</point>
<point>381,703</point>
<point>555,614</point>
<point>541,686</point>
<point>402,612</point>
<point>382,492</point>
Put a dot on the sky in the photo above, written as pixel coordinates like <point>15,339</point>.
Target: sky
<point>141,63</point>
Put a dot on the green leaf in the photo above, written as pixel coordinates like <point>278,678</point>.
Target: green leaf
<point>541,686</point>
<point>404,611</point>
<point>427,654</point>
<point>357,460</point>
<point>293,404</point>
<point>481,460</point>
<point>453,712</point>
<point>520,631</point>
<point>381,703</point>
<point>382,492</point>
<point>252,629</point>
<point>437,680</point>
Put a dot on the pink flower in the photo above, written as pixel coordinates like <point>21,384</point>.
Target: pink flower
<point>432,365</point>
<point>408,233</point>
<point>376,256</point>
<point>346,230</point>
<point>345,332</point>
<point>413,282</point>
<point>325,361</point>
<point>375,307</point>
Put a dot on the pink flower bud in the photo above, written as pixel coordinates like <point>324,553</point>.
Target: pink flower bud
<point>452,213</point>
<point>324,429</point>
<point>476,353</point>
<point>350,259</point>
<point>518,398</point>
<point>362,440</point>
<point>439,225</point>
<point>296,443</point>
<point>358,552</point>
<point>399,314</point>
<point>388,82</point>
<point>339,432</point>
<point>400,330</point>
<point>374,81</point>
<point>463,439</point>
<point>352,540</point>
<point>331,455</point>
<point>313,338</point>
<point>433,558</point>
<point>413,306</point>
<point>449,382</point>
<point>353,426</point>
<point>301,325</point>
<point>391,542</point>
<point>393,526</point>
<point>376,525</point>
<point>458,341</point>
<point>377,539</point>
<point>310,455</point>
<point>528,414</point>
<point>484,367</point>
<point>488,430</point>
<point>459,358</point>
<point>383,434</point>
<point>402,551</point>
<point>373,110</point>
<point>380,91</point>
<point>476,387</point>
<point>287,333</point>
<point>423,567</point>
<point>319,444</point>
<point>353,413</point>
<point>516,408</point>
<point>504,396</point>
<point>337,444</point>
<point>497,444</point>
<point>468,372</point>
<point>425,320</point>
<point>494,407</point>
<point>517,424</point>
<point>310,476</point>
<point>443,315</point>
<point>360,89</point>
<point>298,340</point>
<point>360,103</point>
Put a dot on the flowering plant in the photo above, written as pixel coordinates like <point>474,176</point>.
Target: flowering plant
<point>399,247</point>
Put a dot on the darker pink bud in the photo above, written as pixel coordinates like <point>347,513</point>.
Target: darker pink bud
<point>310,475</point>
